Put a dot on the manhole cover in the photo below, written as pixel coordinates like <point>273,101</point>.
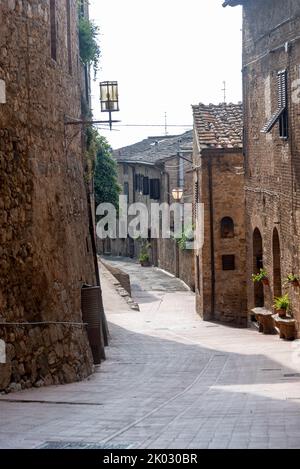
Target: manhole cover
<point>80,445</point>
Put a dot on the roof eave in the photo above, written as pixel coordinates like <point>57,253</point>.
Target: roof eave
<point>232,3</point>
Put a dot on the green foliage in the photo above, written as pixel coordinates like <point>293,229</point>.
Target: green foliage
<point>187,237</point>
<point>282,302</point>
<point>144,252</point>
<point>107,189</point>
<point>144,258</point>
<point>88,45</point>
<point>262,275</point>
<point>292,278</point>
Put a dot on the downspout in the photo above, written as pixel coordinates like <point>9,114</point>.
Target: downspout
<point>212,238</point>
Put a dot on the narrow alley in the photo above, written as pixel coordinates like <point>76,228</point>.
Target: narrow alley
<point>170,381</point>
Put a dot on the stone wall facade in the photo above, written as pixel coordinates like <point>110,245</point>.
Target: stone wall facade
<point>45,244</point>
<point>271,45</point>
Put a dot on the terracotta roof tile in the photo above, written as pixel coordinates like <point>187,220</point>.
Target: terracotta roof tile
<point>219,126</point>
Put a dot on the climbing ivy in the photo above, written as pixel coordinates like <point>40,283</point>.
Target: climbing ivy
<point>89,48</point>
<point>107,188</point>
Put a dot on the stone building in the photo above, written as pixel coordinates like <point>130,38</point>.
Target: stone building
<point>147,173</point>
<point>219,185</point>
<point>46,238</point>
<point>271,82</point>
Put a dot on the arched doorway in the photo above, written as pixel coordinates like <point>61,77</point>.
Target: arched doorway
<point>259,299</point>
<point>277,288</point>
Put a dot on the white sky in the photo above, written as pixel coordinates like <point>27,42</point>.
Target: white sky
<point>166,55</point>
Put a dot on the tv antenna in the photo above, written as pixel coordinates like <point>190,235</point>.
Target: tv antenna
<point>166,124</point>
<point>224,89</point>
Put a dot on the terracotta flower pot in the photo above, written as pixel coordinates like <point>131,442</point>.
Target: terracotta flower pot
<point>281,313</point>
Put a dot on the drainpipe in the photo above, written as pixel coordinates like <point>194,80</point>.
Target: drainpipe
<point>212,238</point>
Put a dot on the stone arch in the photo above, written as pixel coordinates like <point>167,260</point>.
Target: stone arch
<point>227,227</point>
<point>259,299</point>
<point>277,286</point>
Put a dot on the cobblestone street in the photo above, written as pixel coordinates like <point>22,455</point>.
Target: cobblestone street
<point>170,381</point>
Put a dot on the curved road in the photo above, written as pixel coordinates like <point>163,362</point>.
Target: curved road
<point>170,381</point>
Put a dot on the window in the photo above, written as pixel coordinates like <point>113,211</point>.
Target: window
<point>69,36</point>
<point>146,186</point>
<point>53,33</point>
<point>198,273</point>
<point>126,189</point>
<point>141,184</point>
<point>125,168</point>
<point>281,113</point>
<point>227,228</point>
<point>155,189</point>
<point>228,262</point>
<point>138,183</point>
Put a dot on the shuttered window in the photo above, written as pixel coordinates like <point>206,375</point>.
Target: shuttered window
<point>146,188</point>
<point>281,113</point>
<point>155,189</point>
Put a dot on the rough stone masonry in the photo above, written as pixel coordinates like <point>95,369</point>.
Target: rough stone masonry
<point>45,245</point>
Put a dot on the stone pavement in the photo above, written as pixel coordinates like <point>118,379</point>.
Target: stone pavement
<point>170,381</point>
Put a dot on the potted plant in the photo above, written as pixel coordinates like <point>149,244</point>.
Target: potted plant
<point>281,305</point>
<point>144,257</point>
<point>293,280</point>
<point>261,276</point>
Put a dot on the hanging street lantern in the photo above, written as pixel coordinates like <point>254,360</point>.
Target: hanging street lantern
<point>177,194</point>
<point>109,98</point>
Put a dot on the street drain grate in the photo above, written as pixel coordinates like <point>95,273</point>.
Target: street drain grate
<point>24,401</point>
<point>271,369</point>
<point>80,445</point>
<point>292,375</point>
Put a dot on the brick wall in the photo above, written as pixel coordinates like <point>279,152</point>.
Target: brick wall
<point>221,294</point>
<point>272,164</point>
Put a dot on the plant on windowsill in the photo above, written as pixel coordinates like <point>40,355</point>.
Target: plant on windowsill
<point>261,276</point>
<point>292,280</point>
<point>282,305</point>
